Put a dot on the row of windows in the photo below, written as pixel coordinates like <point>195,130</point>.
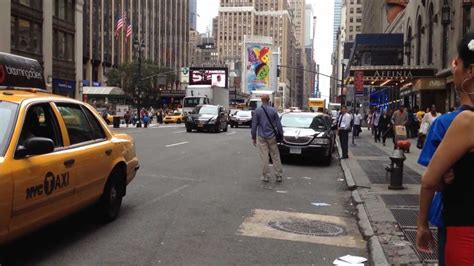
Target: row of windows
<point>63,45</point>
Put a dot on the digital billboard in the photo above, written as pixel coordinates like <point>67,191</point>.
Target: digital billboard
<point>209,76</point>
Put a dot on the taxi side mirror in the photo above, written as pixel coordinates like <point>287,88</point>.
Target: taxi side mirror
<point>35,146</point>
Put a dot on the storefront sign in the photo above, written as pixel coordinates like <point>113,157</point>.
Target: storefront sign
<point>430,84</point>
<point>396,74</point>
<point>64,87</point>
<point>172,93</point>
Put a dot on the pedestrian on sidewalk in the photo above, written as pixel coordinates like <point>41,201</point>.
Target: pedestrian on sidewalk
<point>375,125</point>
<point>462,69</point>
<point>343,128</point>
<point>399,118</point>
<point>126,117</point>
<point>369,121</point>
<point>385,126</point>
<point>357,124</point>
<point>266,132</point>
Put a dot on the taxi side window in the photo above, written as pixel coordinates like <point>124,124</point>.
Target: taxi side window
<point>97,130</point>
<point>40,121</point>
<point>77,124</point>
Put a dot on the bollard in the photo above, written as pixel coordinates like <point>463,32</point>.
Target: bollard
<point>395,168</point>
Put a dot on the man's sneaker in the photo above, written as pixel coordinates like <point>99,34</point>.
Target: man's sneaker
<point>279,179</point>
<point>265,179</point>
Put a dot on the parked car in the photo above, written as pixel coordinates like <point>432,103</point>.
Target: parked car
<point>241,118</point>
<point>177,118</point>
<point>307,135</point>
<point>57,156</point>
<point>211,118</point>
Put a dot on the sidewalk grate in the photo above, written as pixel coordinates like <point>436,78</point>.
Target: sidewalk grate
<point>406,218</point>
<point>405,200</point>
<point>375,170</point>
<point>424,257</point>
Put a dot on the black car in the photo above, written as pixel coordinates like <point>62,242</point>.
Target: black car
<point>308,135</point>
<point>212,118</point>
<point>241,118</point>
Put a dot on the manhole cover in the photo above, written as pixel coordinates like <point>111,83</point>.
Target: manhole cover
<point>307,227</point>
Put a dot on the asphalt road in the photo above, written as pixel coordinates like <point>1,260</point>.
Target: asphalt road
<point>198,199</point>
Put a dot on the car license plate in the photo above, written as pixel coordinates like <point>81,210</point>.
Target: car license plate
<point>200,125</point>
<point>295,150</point>
<point>240,123</point>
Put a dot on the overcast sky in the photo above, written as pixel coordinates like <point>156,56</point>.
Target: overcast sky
<point>323,10</point>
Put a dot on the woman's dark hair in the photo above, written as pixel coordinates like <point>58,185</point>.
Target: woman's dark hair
<point>464,53</point>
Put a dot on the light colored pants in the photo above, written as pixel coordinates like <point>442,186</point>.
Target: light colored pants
<point>266,147</point>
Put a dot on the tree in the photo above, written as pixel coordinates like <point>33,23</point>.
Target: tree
<point>126,77</point>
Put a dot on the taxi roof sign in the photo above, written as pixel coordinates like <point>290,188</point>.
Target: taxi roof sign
<point>20,72</point>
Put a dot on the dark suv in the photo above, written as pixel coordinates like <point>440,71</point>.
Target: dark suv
<point>212,118</point>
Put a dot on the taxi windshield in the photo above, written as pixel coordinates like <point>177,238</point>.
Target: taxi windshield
<point>8,115</point>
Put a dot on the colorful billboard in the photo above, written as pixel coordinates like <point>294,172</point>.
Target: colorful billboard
<point>208,76</point>
<point>258,62</point>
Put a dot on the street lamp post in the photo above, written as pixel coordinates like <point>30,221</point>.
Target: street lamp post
<point>139,46</point>
<point>343,97</point>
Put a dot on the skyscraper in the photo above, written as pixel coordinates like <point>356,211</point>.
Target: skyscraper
<point>337,20</point>
<point>193,14</point>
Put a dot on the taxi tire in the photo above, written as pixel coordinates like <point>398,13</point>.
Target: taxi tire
<point>111,200</point>
<point>178,121</point>
<point>188,130</point>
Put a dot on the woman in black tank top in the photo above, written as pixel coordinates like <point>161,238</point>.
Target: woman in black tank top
<point>455,152</point>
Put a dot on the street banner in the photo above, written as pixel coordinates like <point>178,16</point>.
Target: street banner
<point>359,83</point>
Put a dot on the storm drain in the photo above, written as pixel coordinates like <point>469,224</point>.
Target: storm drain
<point>307,227</point>
<point>425,257</point>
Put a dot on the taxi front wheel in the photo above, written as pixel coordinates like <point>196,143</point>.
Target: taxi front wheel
<point>111,200</point>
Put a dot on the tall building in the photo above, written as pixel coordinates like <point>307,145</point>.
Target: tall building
<point>353,25</point>
<point>193,51</point>
<point>299,11</point>
<point>50,33</point>
<point>215,26</point>
<point>193,14</point>
<point>272,18</point>
<point>161,26</point>
<point>337,20</point>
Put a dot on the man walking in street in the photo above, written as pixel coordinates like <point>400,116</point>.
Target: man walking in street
<point>343,128</point>
<point>266,127</point>
<point>399,118</point>
<point>357,124</point>
<point>375,124</point>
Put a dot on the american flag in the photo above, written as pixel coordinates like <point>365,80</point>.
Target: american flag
<point>120,24</point>
<point>129,31</point>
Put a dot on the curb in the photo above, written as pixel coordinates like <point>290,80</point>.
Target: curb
<point>376,253</point>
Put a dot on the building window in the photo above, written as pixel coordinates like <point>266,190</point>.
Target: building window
<point>352,10</point>
<point>418,41</point>
<point>63,45</point>
<point>408,46</point>
<point>466,20</point>
<point>430,35</point>
<point>35,4</point>
<point>64,10</point>
<point>26,35</point>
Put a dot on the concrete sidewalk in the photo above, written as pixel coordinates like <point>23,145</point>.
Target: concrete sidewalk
<point>387,218</point>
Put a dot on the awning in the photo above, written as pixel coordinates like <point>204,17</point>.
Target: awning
<point>102,91</point>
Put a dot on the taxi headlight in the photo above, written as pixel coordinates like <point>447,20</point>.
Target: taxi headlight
<point>213,121</point>
<point>320,141</point>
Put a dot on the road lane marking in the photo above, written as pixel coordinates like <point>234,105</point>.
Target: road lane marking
<point>172,177</point>
<point>231,133</point>
<point>174,191</point>
<point>177,132</point>
<point>176,144</point>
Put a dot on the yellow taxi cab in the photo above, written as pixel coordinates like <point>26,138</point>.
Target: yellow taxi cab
<point>177,118</point>
<point>57,155</point>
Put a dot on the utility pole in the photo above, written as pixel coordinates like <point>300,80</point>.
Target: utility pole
<point>139,46</point>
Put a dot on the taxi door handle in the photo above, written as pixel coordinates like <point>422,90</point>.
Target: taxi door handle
<point>69,162</point>
<point>108,152</point>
